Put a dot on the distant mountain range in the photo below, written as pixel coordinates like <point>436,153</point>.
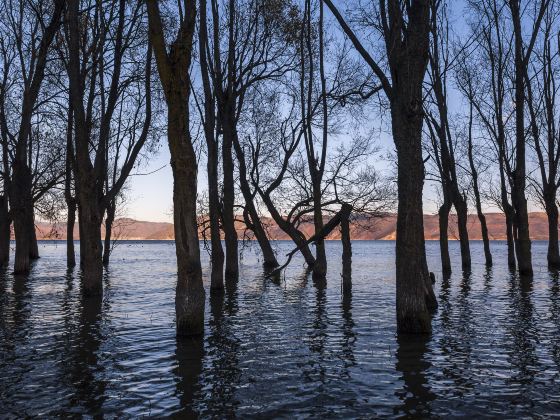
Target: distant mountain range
<point>362,229</point>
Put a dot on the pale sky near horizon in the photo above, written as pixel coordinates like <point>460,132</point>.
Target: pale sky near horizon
<point>150,196</point>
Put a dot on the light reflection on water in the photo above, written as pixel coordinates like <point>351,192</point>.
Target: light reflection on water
<point>279,348</point>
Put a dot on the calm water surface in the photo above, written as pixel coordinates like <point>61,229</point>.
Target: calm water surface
<point>279,349</point>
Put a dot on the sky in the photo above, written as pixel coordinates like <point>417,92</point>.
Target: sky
<point>150,188</point>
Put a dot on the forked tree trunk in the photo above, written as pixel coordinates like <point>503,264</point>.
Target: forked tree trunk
<point>255,223</point>
<point>346,255</point>
<point>173,68</point>
<point>4,232</point>
<point>109,219</point>
<point>217,253</point>
<point>519,201</point>
<point>443,216</point>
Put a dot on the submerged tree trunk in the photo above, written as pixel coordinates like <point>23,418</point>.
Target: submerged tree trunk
<point>4,231</point>
<point>33,245</point>
<point>109,219</point>
<point>508,210</point>
<point>415,296</point>
<point>460,205</point>
<point>443,215</point>
<point>209,124</point>
<point>217,253</point>
<point>70,252</point>
<point>189,298</point>
<point>228,210</point>
<point>346,255</point>
<point>519,201</point>
<point>553,254</point>
<point>254,222</point>
<point>90,240</point>
<point>476,189</point>
<point>20,204</point>
<point>320,266</point>
<point>173,68</point>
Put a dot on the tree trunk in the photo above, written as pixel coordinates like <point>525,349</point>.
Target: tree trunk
<point>346,255</point>
<point>553,254</point>
<point>415,296</point>
<point>294,234</point>
<point>443,214</point>
<point>217,253</point>
<point>109,219</point>
<point>320,266</point>
<point>508,210</point>
<point>478,203</point>
<point>484,230</point>
<point>190,296</point>
<point>20,203</point>
<point>519,201</point>
<point>255,221</point>
<point>4,231</point>
<point>460,205</point>
<point>228,211</point>
<point>90,241</point>
<point>33,245</point>
<point>70,253</point>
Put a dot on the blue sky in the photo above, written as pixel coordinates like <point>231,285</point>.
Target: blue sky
<point>150,197</point>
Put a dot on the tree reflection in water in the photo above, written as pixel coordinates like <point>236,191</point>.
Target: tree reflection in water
<point>416,395</point>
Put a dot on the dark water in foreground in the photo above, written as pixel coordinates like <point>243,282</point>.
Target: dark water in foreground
<point>286,349</point>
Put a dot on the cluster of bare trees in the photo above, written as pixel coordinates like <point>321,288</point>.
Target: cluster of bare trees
<point>280,99</point>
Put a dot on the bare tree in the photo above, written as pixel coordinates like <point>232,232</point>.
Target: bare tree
<point>101,77</point>
<point>541,79</point>
<point>406,32</point>
<point>173,66</point>
<point>442,137</point>
<point>30,29</point>
<point>522,55</point>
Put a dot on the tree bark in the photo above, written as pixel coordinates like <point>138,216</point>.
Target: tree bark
<point>443,215</point>
<point>173,68</point>
<point>460,205</point>
<point>553,254</point>
<point>90,240</point>
<point>255,223</point>
<point>346,255</point>
<point>189,299</point>
<point>519,201</point>
<point>228,201</point>
<point>70,252</point>
<point>20,203</point>
<point>415,296</point>
<point>33,245</point>
<point>109,219</point>
<point>217,253</point>
<point>4,231</point>
<point>476,189</point>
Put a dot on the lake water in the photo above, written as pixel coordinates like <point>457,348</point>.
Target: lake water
<point>286,349</point>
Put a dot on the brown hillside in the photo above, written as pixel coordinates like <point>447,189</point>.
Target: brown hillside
<point>364,229</point>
